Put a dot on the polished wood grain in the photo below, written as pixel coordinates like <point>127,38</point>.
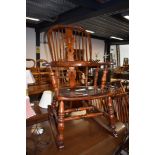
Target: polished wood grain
<point>64,42</point>
<point>82,137</point>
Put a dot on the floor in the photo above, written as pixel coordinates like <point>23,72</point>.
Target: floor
<point>82,137</point>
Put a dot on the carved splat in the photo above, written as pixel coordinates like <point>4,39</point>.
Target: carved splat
<point>69,41</point>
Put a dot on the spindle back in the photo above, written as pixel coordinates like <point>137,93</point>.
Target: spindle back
<point>69,43</point>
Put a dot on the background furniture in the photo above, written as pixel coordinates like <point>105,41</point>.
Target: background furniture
<point>32,118</point>
<point>41,76</point>
<point>122,74</point>
<point>37,137</point>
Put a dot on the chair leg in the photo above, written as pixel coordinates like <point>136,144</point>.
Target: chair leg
<point>60,136</point>
<point>111,116</point>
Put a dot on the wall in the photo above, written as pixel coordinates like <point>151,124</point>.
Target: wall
<point>97,46</point>
<point>113,51</point>
<point>30,43</point>
<point>124,53</point>
<point>44,50</point>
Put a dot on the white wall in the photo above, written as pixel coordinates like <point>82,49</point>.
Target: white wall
<point>97,47</point>
<point>44,50</point>
<point>113,51</point>
<point>30,43</point>
<point>124,53</point>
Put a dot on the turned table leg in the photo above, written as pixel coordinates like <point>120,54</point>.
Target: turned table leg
<point>111,116</point>
<point>60,136</point>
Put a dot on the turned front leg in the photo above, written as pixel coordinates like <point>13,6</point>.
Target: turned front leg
<point>111,116</point>
<point>60,136</point>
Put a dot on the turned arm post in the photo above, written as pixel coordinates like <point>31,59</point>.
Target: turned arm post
<point>54,82</point>
<point>96,77</point>
<point>104,78</point>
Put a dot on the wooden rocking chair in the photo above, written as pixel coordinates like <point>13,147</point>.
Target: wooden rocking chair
<point>71,51</point>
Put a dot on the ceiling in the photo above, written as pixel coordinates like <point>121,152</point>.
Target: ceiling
<point>104,17</point>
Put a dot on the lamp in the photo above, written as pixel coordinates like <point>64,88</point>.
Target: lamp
<point>46,99</point>
<point>29,79</point>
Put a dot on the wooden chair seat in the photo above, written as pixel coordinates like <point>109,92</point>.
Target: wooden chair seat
<point>81,93</point>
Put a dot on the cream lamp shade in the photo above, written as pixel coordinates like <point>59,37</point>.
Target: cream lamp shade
<point>29,77</point>
<point>46,99</point>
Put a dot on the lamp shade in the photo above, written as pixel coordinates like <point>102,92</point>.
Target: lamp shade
<point>29,111</point>
<point>46,99</point>
<point>29,77</point>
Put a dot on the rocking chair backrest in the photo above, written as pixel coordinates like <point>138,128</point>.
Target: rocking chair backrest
<point>69,43</point>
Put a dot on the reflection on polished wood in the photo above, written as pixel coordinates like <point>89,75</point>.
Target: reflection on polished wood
<point>82,137</point>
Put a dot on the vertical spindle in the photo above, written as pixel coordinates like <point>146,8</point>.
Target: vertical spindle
<point>50,44</point>
<point>90,47</point>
